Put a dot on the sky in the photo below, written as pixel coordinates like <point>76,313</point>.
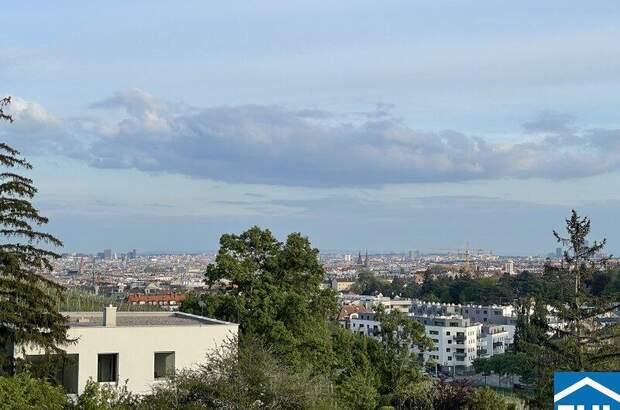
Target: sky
<point>381,125</point>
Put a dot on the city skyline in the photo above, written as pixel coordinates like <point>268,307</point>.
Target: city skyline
<point>391,126</point>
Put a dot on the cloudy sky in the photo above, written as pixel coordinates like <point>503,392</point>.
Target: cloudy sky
<point>387,125</point>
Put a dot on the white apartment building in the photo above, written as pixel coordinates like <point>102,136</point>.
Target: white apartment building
<point>455,340</point>
<point>364,323</point>
<point>494,339</point>
<point>369,301</point>
<point>486,315</point>
<point>139,348</point>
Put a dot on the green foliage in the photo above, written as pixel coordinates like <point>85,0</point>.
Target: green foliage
<point>421,395</point>
<point>367,283</point>
<point>273,291</point>
<point>397,366</point>
<point>486,399</point>
<point>358,391</point>
<point>28,311</point>
<point>452,395</point>
<point>102,397</point>
<point>576,293</point>
<point>24,392</point>
<point>250,377</point>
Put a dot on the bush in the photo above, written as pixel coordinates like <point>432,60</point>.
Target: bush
<point>486,399</point>
<point>358,392</point>
<point>102,397</point>
<point>24,392</point>
<point>246,378</point>
<point>452,395</point>
<point>420,395</point>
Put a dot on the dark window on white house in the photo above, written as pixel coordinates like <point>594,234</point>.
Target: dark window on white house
<point>107,367</point>
<point>164,364</point>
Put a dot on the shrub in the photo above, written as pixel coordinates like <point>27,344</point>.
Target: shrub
<point>24,392</point>
<point>486,399</point>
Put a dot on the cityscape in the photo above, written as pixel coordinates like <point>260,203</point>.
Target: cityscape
<point>119,274</point>
<point>310,205</point>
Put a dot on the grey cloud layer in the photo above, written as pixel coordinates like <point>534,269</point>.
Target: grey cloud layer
<point>279,146</point>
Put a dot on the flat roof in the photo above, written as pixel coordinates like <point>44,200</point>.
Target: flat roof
<point>141,319</point>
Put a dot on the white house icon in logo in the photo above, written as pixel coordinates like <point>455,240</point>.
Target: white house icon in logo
<point>586,381</point>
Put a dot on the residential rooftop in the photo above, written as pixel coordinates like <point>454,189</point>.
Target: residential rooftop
<point>141,319</point>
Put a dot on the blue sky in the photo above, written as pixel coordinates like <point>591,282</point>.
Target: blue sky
<point>382,124</point>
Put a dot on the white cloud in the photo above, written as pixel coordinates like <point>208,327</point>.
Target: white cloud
<point>280,146</point>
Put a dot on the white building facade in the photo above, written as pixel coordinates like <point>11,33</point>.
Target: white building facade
<point>140,349</point>
<point>455,340</point>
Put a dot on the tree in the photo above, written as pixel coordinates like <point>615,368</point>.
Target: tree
<point>397,366</point>
<point>28,300</point>
<point>273,290</point>
<point>582,341</point>
<point>573,339</point>
<point>367,283</point>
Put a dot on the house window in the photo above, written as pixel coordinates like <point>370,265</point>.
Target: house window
<point>164,364</point>
<point>63,369</point>
<point>107,367</point>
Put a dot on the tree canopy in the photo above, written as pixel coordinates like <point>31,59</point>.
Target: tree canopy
<point>28,300</point>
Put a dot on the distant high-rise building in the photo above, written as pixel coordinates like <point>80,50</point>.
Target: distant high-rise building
<point>132,254</point>
<point>558,253</point>
<point>107,254</point>
<point>510,267</point>
<point>348,258</point>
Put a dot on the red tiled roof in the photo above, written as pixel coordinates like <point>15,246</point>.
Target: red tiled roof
<point>170,297</point>
<point>348,310</point>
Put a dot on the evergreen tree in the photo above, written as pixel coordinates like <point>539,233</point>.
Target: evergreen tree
<point>28,313</point>
<point>559,325</point>
<point>581,339</point>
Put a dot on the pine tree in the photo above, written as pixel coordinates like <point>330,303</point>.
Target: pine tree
<point>560,327</point>
<point>582,340</point>
<point>28,300</point>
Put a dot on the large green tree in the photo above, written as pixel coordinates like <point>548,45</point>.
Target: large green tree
<point>273,290</point>
<point>28,300</point>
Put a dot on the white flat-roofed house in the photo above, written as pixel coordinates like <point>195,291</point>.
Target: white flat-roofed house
<point>139,348</point>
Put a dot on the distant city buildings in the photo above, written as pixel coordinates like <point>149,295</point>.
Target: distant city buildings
<point>510,267</point>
